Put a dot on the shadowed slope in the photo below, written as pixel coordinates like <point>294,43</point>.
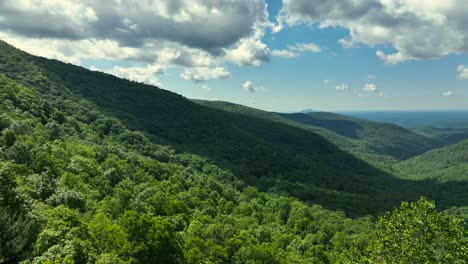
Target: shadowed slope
<point>270,155</point>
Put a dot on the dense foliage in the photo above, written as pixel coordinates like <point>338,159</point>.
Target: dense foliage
<point>417,233</point>
<point>444,164</point>
<point>375,142</point>
<point>78,186</point>
<point>269,155</point>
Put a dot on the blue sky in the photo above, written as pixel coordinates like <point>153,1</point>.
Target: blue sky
<point>331,77</point>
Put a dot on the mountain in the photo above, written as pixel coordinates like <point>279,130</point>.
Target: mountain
<point>382,138</point>
<point>269,155</point>
<point>446,135</point>
<point>97,169</point>
<point>417,119</point>
<point>306,111</point>
<point>444,164</point>
<point>77,186</point>
<point>372,141</point>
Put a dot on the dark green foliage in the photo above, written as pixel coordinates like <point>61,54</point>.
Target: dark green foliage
<point>9,138</point>
<point>86,189</point>
<point>272,156</point>
<point>93,196</point>
<point>145,236</point>
<point>17,226</point>
<point>384,142</point>
<point>446,135</point>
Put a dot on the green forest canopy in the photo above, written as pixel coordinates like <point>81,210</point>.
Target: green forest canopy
<point>78,186</point>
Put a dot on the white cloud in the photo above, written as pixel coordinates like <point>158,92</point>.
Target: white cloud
<point>462,71</point>
<point>283,54</point>
<point>342,87</point>
<point>139,74</point>
<point>371,77</point>
<point>346,43</point>
<point>381,94</point>
<point>204,24</point>
<point>201,74</point>
<point>249,52</point>
<point>200,36</point>
<point>370,87</point>
<point>326,82</point>
<point>306,47</point>
<point>416,29</point>
<point>249,86</point>
<point>394,58</point>
<point>447,94</point>
<point>292,50</point>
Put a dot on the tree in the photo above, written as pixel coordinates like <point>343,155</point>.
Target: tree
<point>152,239</point>
<point>9,138</point>
<point>417,233</point>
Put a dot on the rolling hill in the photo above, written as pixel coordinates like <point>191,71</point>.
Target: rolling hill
<point>273,156</point>
<point>444,164</point>
<point>97,169</point>
<point>269,155</point>
<point>372,141</point>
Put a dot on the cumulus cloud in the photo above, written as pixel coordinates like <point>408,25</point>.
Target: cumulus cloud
<point>139,74</point>
<point>462,71</point>
<point>346,43</point>
<point>201,74</point>
<point>416,29</point>
<point>249,52</point>
<point>134,22</point>
<point>305,47</point>
<point>342,87</point>
<point>370,87</point>
<point>284,54</point>
<point>293,50</point>
<point>249,86</point>
<point>199,35</point>
<point>326,81</point>
<point>447,94</point>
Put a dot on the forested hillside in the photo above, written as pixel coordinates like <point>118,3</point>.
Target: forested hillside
<point>447,136</point>
<point>78,187</point>
<point>269,155</point>
<point>372,141</point>
<point>96,169</point>
<point>382,138</point>
<point>444,164</point>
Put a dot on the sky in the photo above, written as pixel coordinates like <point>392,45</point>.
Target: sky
<point>286,56</point>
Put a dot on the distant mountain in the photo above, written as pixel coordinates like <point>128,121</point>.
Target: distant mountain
<point>446,135</point>
<point>382,138</point>
<point>444,164</point>
<point>417,119</point>
<point>370,140</point>
<point>306,111</point>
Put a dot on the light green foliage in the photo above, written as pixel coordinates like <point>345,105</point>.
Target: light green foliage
<point>417,233</point>
<point>444,164</point>
<point>78,186</point>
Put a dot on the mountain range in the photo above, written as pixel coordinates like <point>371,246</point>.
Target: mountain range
<point>95,149</point>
